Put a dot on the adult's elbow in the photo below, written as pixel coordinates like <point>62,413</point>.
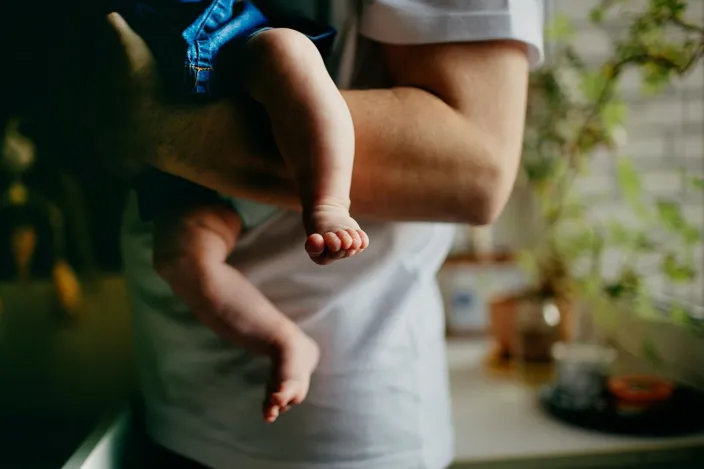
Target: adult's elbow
<point>489,192</point>
<point>484,205</point>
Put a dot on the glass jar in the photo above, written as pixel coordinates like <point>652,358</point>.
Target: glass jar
<point>581,370</point>
<point>538,328</point>
<point>538,323</point>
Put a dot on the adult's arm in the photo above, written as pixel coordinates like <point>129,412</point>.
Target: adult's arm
<point>441,144</point>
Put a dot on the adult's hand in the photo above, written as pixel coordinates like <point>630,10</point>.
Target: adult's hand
<point>123,97</point>
<point>139,59</point>
<point>151,129</point>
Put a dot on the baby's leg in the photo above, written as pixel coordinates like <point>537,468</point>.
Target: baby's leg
<point>314,132</point>
<point>190,253</point>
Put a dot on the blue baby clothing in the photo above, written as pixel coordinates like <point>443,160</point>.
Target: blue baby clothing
<point>187,37</point>
<point>197,45</point>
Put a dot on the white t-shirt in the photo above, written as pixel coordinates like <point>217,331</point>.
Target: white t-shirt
<point>379,398</point>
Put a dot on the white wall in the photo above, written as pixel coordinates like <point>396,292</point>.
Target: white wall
<point>665,135</point>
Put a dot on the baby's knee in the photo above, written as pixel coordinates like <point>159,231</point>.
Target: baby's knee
<point>278,56</point>
<point>171,257</point>
<point>170,265</point>
<point>278,46</point>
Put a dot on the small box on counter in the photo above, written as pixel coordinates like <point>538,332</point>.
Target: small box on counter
<point>468,283</point>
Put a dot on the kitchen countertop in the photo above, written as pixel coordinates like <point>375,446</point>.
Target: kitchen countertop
<point>498,424</point>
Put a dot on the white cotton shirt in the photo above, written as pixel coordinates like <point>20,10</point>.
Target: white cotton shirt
<point>379,398</point>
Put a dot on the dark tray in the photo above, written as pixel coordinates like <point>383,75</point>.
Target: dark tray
<point>684,415</point>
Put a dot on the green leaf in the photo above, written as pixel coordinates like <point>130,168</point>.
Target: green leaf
<point>613,114</point>
<point>561,29</point>
<point>670,214</point>
<point>540,170</point>
<point>577,244</point>
<point>628,179</point>
<point>592,85</point>
<point>673,7</point>
<point>652,38</point>
<point>679,314</point>
<point>630,186</point>
<point>655,78</point>
<point>673,220</point>
<point>676,271</point>
<point>696,182</point>
<point>676,54</point>
<point>597,15</point>
<point>690,234</point>
<point>619,234</point>
<point>644,243</point>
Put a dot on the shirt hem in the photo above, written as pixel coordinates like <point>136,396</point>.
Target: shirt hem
<point>170,433</point>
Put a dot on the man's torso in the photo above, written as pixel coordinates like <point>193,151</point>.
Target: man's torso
<point>379,399</point>
<point>379,396</point>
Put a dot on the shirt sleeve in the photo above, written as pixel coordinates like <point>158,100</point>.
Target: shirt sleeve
<point>438,21</point>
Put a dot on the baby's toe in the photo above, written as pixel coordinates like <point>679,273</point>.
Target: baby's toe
<point>283,398</point>
<point>356,239</point>
<point>271,412</point>
<point>332,242</point>
<point>315,245</point>
<point>345,239</point>
<point>364,239</point>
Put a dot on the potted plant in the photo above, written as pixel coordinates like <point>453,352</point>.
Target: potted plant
<point>574,111</point>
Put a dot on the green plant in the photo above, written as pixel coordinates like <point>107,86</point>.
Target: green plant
<point>576,110</point>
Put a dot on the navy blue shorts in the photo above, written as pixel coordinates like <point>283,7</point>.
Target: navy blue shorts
<point>197,45</point>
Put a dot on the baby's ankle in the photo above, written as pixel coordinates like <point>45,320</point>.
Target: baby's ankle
<point>285,338</point>
<point>324,202</point>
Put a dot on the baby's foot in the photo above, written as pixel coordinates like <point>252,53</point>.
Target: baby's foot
<point>291,378</point>
<point>333,234</point>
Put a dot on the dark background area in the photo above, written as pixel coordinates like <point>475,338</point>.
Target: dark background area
<point>60,375</point>
<point>51,58</point>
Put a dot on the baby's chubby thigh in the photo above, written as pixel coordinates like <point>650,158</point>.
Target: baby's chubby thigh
<point>281,61</point>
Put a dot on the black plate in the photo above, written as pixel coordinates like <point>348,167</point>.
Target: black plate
<point>684,415</point>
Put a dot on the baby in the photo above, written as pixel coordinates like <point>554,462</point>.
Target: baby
<point>284,71</point>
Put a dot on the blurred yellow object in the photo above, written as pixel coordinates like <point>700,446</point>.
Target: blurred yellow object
<point>24,240</point>
<point>17,150</point>
<point>17,194</point>
<point>68,288</point>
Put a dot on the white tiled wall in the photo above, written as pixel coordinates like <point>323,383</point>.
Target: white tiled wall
<point>665,133</point>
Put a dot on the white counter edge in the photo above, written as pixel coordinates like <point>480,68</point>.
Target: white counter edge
<point>101,448</point>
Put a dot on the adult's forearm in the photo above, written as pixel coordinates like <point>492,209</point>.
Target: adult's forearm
<point>416,157</point>
<point>442,145</point>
